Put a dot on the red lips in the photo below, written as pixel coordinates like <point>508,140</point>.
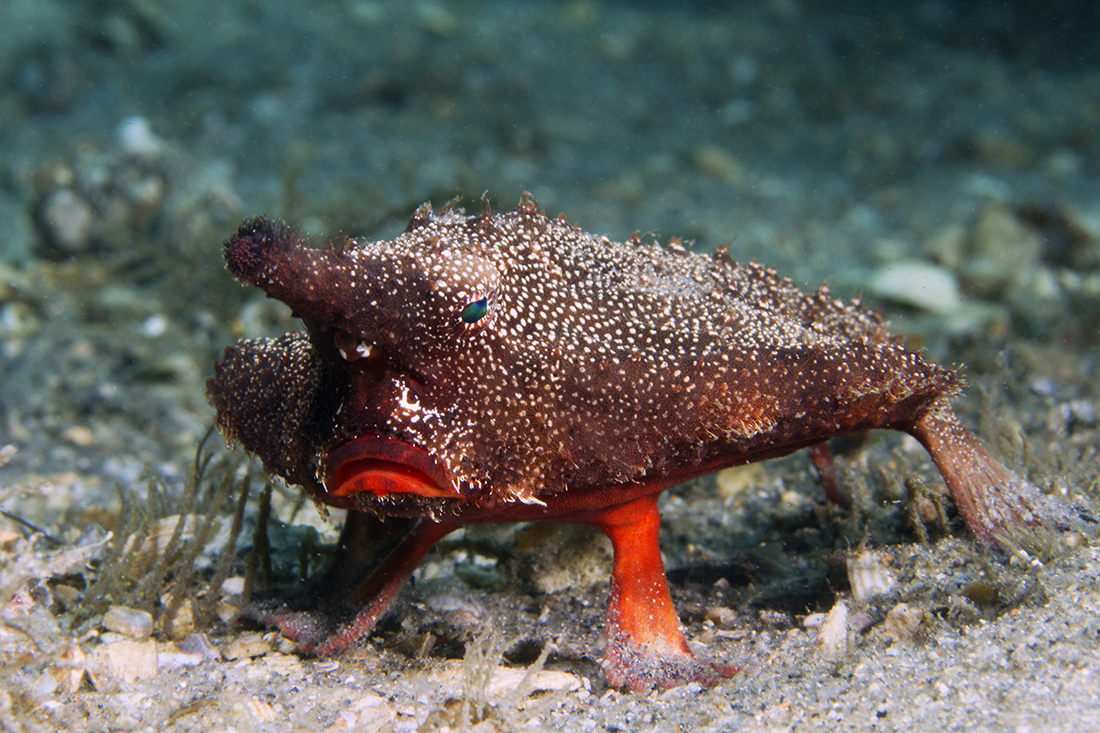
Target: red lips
<point>384,466</point>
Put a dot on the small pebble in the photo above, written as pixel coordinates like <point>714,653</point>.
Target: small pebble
<point>69,668</point>
<point>919,284</point>
<point>719,615</point>
<point>131,660</point>
<point>128,621</point>
<point>903,621</point>
<point>284,664</point>
<point>735,481</point>
<point>1004,250</point>
<point>79,435</point>
<point>233,586</point>
<point>70,220</point>
<point>718,163</point>
<point>247,645</point>
<point>369,714</point>
<point>154,326</point>
<point>507,680</point>
<point>182,622</point>
<point>136,138</point>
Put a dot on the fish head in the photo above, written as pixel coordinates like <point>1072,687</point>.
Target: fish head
<point>405,389</point>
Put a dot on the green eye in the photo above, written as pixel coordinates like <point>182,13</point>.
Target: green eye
<point>475,311</point>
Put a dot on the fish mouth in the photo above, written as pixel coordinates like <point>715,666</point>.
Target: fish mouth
<point>382,466</point>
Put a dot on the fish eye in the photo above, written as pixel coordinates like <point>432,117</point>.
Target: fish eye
<point>477,314</point>
<point>475,311</point>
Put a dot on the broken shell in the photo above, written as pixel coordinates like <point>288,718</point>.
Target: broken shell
<point>833,638</point>
<point>869,576</point>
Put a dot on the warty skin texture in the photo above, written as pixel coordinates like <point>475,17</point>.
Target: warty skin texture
<point>514,367</point>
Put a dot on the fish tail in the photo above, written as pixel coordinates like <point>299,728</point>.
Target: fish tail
<point>998,506</point>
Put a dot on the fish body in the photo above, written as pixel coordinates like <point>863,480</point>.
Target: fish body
<point>515,367</point>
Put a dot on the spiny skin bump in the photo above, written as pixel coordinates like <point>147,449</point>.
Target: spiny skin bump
<point>506,367</point>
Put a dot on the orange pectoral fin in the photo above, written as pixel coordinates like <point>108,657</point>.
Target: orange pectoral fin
<point>646,647</point>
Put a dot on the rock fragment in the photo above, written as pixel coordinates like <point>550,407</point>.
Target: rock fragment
<point>129,622</point>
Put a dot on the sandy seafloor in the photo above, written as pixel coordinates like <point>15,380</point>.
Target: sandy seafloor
<point>940,160</point>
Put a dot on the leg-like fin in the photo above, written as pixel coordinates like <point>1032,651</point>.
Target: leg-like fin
<point>645,642</point>
<point>313,630</point>
<point>380,589</point>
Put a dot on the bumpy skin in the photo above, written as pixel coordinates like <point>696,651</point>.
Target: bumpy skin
<point>513,367</point>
